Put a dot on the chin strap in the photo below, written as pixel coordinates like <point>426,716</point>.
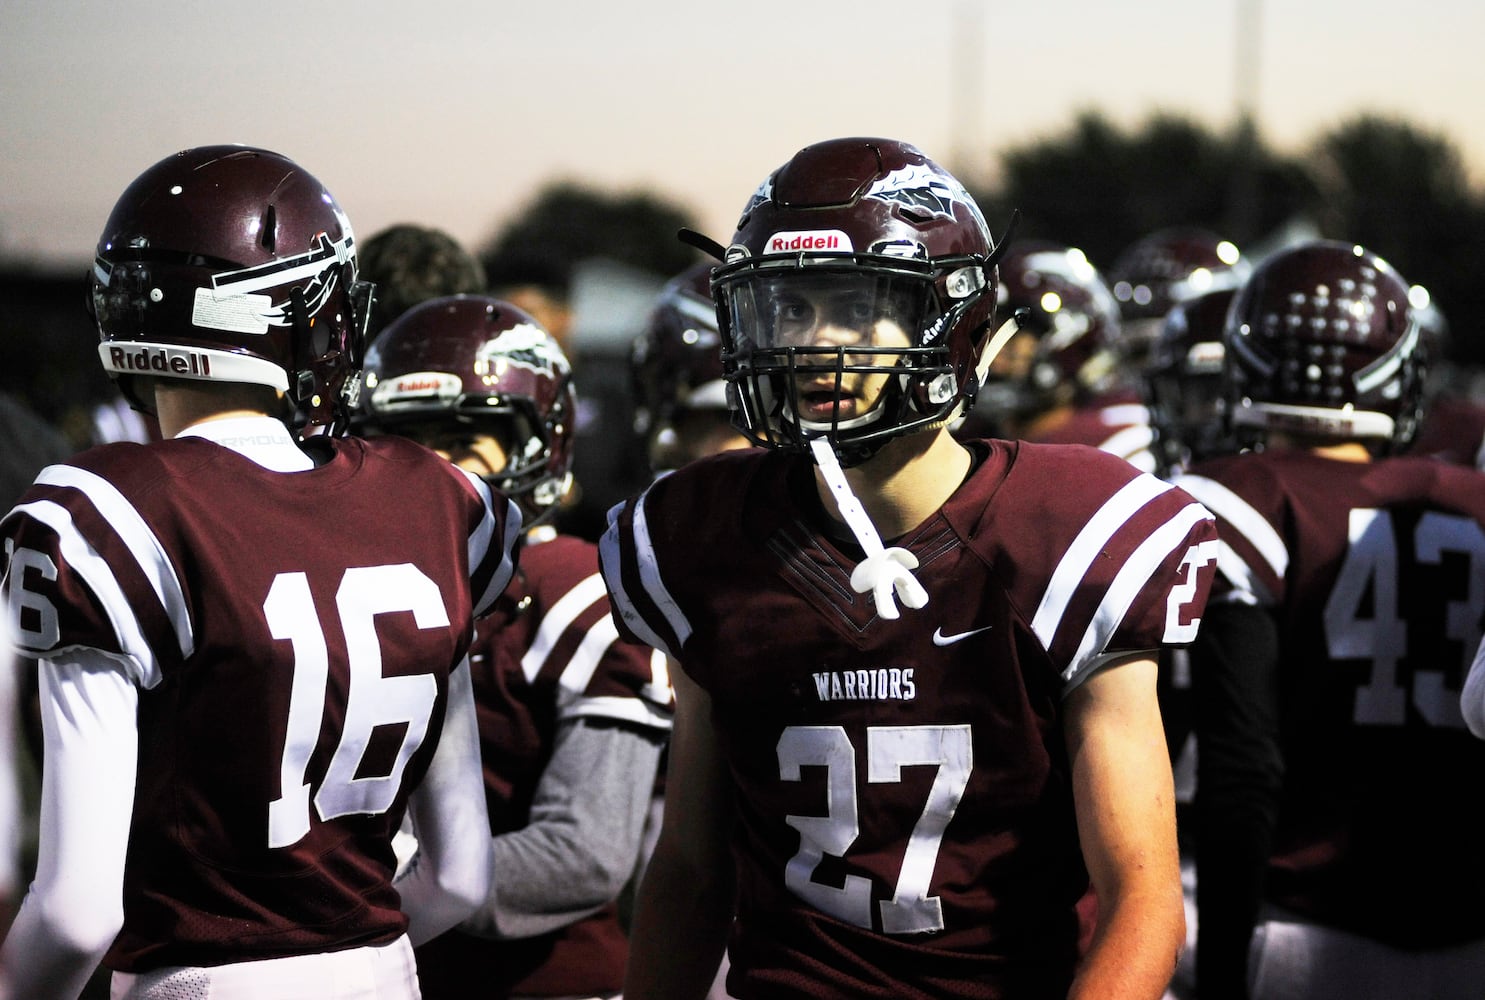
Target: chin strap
<point>884,571</point>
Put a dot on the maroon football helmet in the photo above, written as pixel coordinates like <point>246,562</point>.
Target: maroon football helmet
<point>676,361</point>
<point>1183,381</point>
<point>883,233</point>
<point>1161,269</point>
<point>232,263</point>
<point>478,364</point>
<point>1060,298</point>
<point>1322,340</point>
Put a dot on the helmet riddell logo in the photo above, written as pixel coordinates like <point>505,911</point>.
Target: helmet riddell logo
<point>160,360</point>
<point>816,239</point>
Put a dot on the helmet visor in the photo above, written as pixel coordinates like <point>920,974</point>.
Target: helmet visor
<point>823,307</point>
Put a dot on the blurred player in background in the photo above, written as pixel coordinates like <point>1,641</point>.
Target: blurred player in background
<point>1055,381</point>
<point>571,721</point>
<point>410,263</point>
<point>676,363</point>
<point>1335,786</point>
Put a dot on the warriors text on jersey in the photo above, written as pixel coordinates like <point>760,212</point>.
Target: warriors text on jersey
<point>268,787</point>
<point>546,656</point>
<point>904,798</point>
<point>1376,574</point>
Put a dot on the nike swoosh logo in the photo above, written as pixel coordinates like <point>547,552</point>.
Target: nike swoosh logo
<point>939,639</point>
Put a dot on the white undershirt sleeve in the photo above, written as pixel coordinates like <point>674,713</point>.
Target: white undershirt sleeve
<point>75,907</point>
<point>451,873</point>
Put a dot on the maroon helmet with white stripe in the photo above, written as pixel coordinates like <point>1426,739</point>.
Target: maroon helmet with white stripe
<point>851,237</point>
<point>233,264</point>
<point>1322,340</point>
<point>480,365</point>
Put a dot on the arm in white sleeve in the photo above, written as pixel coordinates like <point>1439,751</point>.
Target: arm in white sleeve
<point>451,873</point>
<point>582,842</point>
<point>1472,698</point>
<point>75,906</point>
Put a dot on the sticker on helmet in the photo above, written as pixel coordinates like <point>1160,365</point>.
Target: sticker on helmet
<point>811,239</point>
<point>416,389</point>
<point>524,346</point>
<point>317,267</point>
<point>232,313</point>
<point>921,187</point>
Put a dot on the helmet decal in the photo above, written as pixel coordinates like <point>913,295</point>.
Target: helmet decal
<point>920,187</point>
<point>319,267</point>
<point>522,346</point>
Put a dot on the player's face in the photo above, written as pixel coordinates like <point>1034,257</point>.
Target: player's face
<point>471,450</point>
<point>836,312</point>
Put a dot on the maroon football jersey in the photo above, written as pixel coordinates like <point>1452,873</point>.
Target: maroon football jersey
<point>292,637</point>
<point>548,654</point>
<point>1117,423</point>
<point>1376,573</point>
<point>1453,430</point>
<point>905,812</point>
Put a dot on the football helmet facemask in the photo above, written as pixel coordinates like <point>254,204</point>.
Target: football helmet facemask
<point>676,361</point>
<point>470,364</point>
<point>855,299</point>
<point>234,264</point>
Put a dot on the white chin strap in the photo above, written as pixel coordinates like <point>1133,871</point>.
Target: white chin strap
<point>884,571</point>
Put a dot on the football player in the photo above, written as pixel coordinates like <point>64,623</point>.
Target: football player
<point>676,367</point>
<point>1163,269</point>
<point>1183,384</point>
<point>571,721</point>
<point>251,647</point>
<point>916,709</point>
<point>1333,759</point>
<point>409,264</point>
<point>1055,382</point>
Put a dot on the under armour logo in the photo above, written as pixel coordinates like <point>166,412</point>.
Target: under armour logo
<point>939,639</point>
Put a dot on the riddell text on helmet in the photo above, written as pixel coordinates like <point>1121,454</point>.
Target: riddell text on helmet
<point>170,362</point>
<point>822,239</point>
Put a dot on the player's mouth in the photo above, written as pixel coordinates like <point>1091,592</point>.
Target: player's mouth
<point>818,405</point>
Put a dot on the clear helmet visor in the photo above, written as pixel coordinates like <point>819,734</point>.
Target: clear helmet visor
<point>826,308</point>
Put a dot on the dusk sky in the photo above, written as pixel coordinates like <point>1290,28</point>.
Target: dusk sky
<point>452,113</point>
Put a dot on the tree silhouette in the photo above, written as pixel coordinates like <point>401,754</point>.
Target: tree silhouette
<point>567,223</point>
<point>1402,191</point>
<point>1102,188</point>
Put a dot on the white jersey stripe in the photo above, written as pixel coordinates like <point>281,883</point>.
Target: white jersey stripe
<point>585,659</point>
<point>146,549</point>
<point>609,548</point>
<point>649,574</point>
<point>98,575</point>
<point>1074,564</point>
<point>479,543</point>
<point>626,709</point>
<point>558,618</point>
<point>1237,512</point>
<point>1130,581</point>
<point>1246,587</point>
<point>1133,445</point>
